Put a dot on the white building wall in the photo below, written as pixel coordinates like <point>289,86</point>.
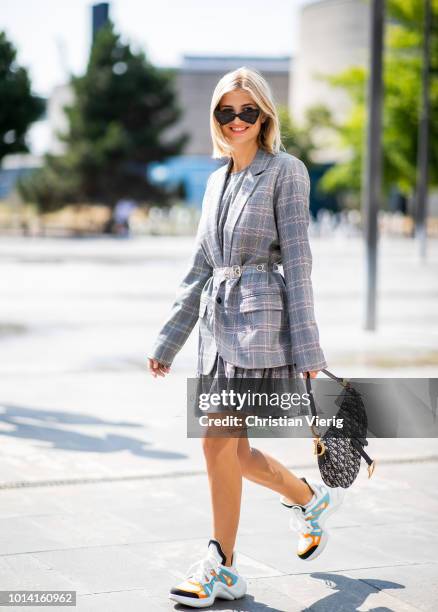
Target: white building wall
<point>61,96</point>
<point>333,35</point>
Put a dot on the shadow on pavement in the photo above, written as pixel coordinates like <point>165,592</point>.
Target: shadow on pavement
<point>349,596</point>
<point>33,424</point>
<point>246,604</point>
<point>350,593</point>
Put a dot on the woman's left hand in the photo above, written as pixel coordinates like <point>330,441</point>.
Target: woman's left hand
<point>313,374</point>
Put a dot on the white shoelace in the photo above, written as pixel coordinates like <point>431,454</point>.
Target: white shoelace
<point>201,570</point>
<point>298,522</point>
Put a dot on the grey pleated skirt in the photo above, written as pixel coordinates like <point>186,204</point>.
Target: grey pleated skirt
<point>226,376</point>
<point>225,369</point>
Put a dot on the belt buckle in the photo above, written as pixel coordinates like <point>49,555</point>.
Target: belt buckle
<point>237,270</point>
<point>260,267</point>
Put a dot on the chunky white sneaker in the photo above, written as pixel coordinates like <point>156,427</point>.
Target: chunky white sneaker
<point>309,520</point>
<point>208,579</point>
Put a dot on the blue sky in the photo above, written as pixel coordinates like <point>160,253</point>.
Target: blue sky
<point>53,36</point>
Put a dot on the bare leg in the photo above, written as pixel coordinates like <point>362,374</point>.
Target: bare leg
<point>267,471</point>
<point>225,479</point>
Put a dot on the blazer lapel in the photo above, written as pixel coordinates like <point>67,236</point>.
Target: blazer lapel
<point>256,168</point>
<point>213,214</point>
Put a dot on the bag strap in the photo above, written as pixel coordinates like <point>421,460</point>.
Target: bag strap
<point>342,381</point>
<point>310,392</point>
<point>359,444</point>
<point>313,428</point>
<point>371,462</point>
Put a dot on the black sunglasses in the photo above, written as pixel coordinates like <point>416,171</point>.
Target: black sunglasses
<point>249,115</point>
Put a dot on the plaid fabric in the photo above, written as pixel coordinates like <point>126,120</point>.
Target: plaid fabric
<point>260,319</point>
<point>228,370</point>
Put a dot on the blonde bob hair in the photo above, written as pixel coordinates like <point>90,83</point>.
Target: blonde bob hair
<point>249,79</point>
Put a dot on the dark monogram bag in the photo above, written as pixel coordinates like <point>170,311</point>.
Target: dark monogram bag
<point>339,451</point>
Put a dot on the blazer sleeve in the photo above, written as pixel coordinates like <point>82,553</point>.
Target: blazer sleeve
<point>291,205</point>
<point>184,312</point>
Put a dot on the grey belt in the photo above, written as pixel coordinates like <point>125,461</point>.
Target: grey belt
<point>236,271</point>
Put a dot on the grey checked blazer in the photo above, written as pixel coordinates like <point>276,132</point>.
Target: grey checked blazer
<point>260,319</point>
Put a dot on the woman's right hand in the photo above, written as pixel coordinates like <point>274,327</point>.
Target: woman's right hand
<point>156,368</point>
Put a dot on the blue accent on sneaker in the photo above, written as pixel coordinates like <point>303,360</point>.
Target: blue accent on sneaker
<point>312,514</point>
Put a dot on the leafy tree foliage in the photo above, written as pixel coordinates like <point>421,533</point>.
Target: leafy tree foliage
<point>18,107</point>
<point>401,106</point>
<point>122,107</point>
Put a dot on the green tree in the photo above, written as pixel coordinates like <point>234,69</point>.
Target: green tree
<point>296,138</point>
<point>122,105</point>
<point>18,107</point>
<point>401,106</point>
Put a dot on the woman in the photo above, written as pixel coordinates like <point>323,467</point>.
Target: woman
<point>254,322</point>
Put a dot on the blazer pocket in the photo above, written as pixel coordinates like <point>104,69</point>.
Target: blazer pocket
<point>261,301</point>
<point>263,311</point>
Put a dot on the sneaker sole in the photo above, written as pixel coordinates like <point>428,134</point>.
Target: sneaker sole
<point>239,590</point>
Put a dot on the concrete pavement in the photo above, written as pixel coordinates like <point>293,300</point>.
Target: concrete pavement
<point>122,545</point>
<point>100,490</point>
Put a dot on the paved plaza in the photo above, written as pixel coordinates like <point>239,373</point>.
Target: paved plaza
<point>102,493</point>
